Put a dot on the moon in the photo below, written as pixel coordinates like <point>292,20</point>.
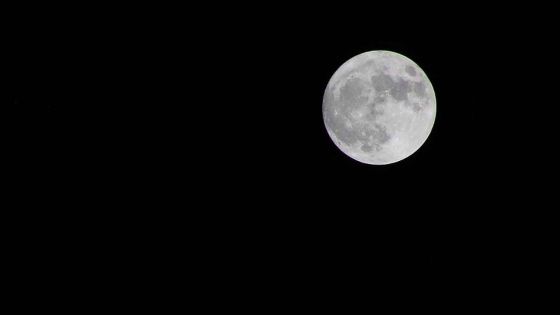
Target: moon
<point>379,107</point>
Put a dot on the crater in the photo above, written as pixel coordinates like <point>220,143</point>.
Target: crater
<point>366,148</point>
<point>410,70</point>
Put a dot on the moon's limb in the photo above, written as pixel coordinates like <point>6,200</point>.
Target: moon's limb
<point>379,107</point>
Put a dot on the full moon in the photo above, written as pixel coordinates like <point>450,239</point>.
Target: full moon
<point>379,107</point>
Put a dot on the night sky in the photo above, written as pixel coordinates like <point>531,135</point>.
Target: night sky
<point>158,131</point>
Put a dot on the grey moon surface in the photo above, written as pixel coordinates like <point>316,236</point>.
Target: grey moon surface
<point>379,107</point>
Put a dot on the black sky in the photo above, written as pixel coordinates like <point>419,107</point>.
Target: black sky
<point>203,129</point>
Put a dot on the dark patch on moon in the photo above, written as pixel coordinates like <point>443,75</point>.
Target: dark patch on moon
<point>351,93</point>
<point>374,111</point>
<point>366,148</point>
<point>419,88</point>
<point>350,97</point>
<point>381,82</point>
<point>370,133</point>
<point>344,134</point>
<point>379,99</point>
<point>416,107</point>
<point>410,70</point>
<point>381,135</point>
<point>400,90</point>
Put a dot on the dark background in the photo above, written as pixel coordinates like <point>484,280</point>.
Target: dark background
<point>194,137</point>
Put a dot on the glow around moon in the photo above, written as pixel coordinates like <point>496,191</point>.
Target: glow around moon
<point>379,107</point>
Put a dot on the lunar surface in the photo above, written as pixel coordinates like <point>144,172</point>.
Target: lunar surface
<point>379,107</point>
